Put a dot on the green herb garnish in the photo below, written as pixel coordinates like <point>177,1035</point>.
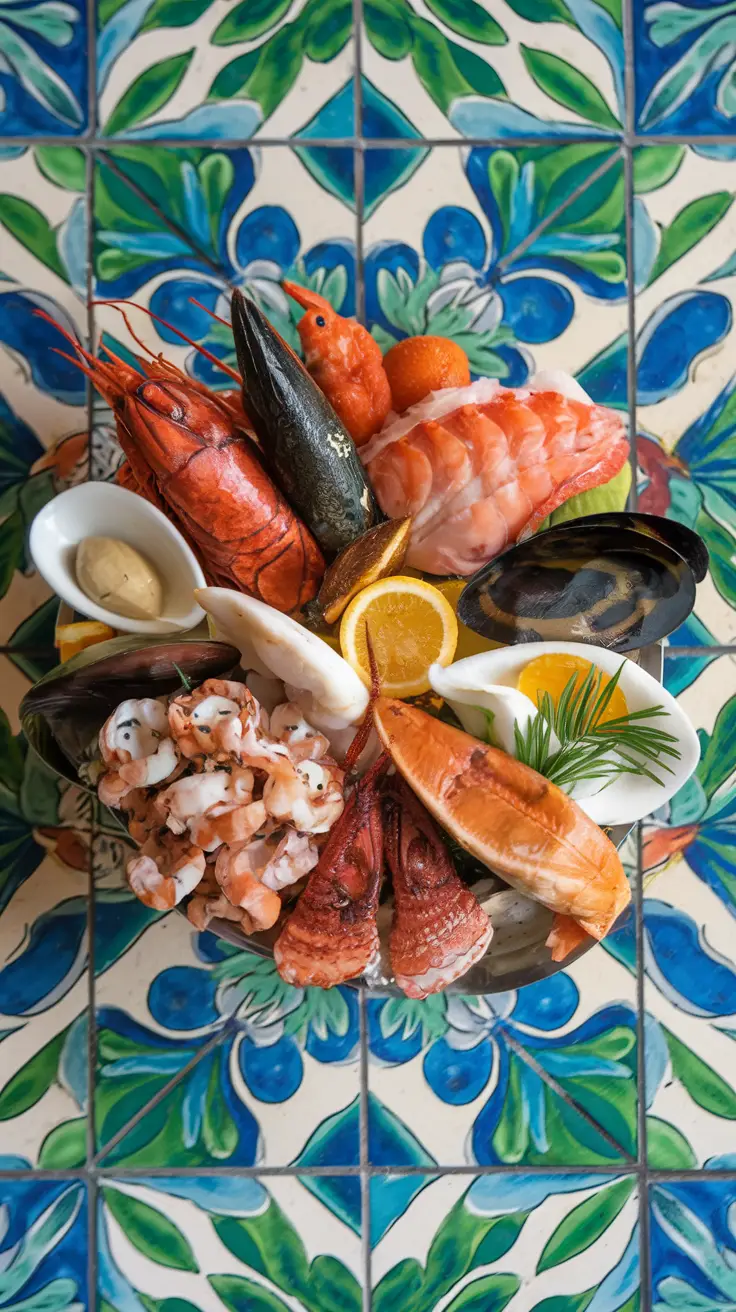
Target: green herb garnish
<point>187,684</point>
<point>585,742</point>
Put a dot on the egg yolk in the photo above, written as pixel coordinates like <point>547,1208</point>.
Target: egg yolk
<point>552,673</point>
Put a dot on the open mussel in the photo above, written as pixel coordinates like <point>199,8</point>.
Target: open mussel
<point>63,713</point>
<point>683,540</point>
<point>619,580</point>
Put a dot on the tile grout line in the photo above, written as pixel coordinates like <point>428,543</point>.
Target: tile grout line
<point>92,67</point>
<point>358,158</point>
<point>292,1171</point>
<point>99,143</point>
<point>92,1190</point>
<point>645,1288</point>
<point>91,1019</point>
<point>365,1169</point>
<point>631,371</point>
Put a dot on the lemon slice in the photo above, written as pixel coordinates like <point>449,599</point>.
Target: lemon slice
<point>411,626</point>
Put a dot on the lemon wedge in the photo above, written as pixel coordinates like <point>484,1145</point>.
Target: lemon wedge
<point>73,638</point>
<point>411,626</point>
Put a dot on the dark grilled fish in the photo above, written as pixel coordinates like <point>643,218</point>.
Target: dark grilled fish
<point>309,452</point>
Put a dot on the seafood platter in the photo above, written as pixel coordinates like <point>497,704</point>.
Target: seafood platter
<point>417,705</point>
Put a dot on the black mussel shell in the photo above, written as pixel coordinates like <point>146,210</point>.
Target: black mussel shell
<point>683,540</point>
<point>64,711</point>
<point>578,582</point>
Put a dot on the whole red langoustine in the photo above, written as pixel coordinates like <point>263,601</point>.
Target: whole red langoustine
<point>188,455</point>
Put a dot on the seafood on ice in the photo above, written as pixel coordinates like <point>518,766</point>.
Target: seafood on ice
<point>482,466</point>
<point>216,791</point>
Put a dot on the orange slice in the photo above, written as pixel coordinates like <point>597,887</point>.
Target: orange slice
<point>411,626</point>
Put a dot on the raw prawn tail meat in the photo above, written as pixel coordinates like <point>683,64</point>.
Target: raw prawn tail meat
<point>479,468</point>
<point>439,929</point>
<point>189,457</point>
<point>331,935</point>
<point>345,362</point>
<point>511,818</point>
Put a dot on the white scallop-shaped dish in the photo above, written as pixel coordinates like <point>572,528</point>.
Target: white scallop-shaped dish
<point>106,510</point>
<point>628,797</point>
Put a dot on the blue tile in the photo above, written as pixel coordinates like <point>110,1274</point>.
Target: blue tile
<point>43,77</point>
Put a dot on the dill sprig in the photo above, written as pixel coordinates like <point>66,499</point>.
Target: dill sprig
<point>591,748</point>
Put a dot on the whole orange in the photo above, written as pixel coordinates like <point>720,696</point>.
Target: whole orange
<point>420,365</point>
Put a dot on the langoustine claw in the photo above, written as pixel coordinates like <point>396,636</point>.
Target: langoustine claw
<point>136,748</point>
<point>166,869</point>
<point>310,452</point>
<point>331,935</point>
<point>439,929</point>
<point>513,819</point>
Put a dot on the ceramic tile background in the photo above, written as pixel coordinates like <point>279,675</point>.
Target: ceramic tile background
<point>550,182</point>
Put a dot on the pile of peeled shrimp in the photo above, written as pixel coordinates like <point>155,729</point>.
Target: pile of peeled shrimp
<point>227,803</point>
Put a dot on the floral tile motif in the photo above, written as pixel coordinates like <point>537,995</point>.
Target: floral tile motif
<point>43,74</point>
<point>43,1250</point>
<point>45,836</point>
<point>511,69</point>
<point>246,1070</point>
<point>692,1243</point>
<point>43,1016</point>
<point>690,987</point>
<point>567,1241</point>
<point>684,68</point>
<point>541,1076</point>
<point>684,248</point>
<point>203,1241</point>
<point>43,442</point>
<point>176,225</point>
<point>274,68</point>
<point>525,268</point>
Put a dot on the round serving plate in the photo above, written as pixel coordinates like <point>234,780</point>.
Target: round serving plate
<point>63,713</point>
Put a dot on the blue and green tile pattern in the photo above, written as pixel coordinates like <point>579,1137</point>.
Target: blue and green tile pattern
<point>551,183</point>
